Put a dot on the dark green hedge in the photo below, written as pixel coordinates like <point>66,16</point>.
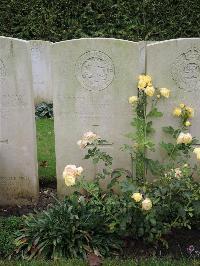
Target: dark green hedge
<point>57,20</point>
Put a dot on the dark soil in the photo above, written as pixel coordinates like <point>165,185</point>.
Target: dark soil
<point>46,199</point>
<point>181,243</point>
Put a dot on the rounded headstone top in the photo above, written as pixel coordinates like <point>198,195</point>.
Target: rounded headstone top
<point>186,70</point>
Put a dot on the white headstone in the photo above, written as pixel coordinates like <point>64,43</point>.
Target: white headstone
<point>175,64</point>
<point>92,81</point>
<point>18,163</point>
<point>41,71</point>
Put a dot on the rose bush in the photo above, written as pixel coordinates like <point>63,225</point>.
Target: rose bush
<point>97,220</point>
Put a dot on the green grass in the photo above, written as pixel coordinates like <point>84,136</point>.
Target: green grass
<point>146,262</point>
<point>46,150</point>
<point>8,226</point>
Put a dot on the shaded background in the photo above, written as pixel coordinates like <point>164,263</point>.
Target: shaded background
<point>57,20</point>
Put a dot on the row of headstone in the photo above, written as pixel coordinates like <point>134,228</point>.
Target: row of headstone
<point>91,80</point>
<point>18,160</point>
<point>41,71</point>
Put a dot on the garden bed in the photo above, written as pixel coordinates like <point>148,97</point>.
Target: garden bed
<point>181,243</point>
<point>46,199</point>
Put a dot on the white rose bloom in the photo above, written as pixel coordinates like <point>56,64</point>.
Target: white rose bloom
<point>90,136</point>
<point>178,172</point>
<point>187,138</point>
<point>146,204</point>
<point>79,170</point>
<point>70,169</point>
<point>184,138</point>
<point>87,138</point>
<point>82,143</point>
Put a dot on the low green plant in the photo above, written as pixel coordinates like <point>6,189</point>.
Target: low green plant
<point>44,110</point>
<point>72,228</point>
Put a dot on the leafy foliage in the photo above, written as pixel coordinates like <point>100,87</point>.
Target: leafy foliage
<point>66,19</point>
<point>95,221</point>
<point>72,228</point>
<point>44,110</point>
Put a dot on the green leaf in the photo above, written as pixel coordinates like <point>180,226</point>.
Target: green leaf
<point>155,113</point>
<point>153,221</point>
<point>171,131</point>
<point>171,149</point>
<point>149,128</point>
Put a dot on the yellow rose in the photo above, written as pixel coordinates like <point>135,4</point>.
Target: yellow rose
<point>158,96</point>
<point>182,105</point>
<point>133,99</point>
<point>70,180</point>
<point>149,91</point>
<point>70,173</point>
<point>190,111</point>
<point>177,111</point>
<point>165,92</point>
<point>148,79</point>
<point>144,80</point>
<point>187,123</point>
<point>197,152</point>
<point>146,204</point>
<point>137,196</point>
<point>141,84</point>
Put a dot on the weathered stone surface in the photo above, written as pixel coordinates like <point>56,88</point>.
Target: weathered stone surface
<point>175,64</point>
<point>18,167</point>
<point>41,71</point>
<point>92,80</point>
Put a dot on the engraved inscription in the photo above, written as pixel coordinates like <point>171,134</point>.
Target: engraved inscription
<point>95,70</point>
<point>2,69</point>
<point>35,53</point>
<point>186,70</point>
<point>12,100</point>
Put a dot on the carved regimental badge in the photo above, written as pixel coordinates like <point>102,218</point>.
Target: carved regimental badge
<point>95,70</point>
<point>186,70</point>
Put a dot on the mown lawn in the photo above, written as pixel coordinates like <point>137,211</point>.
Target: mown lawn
<point>146,262</point>
<point>46,150</point>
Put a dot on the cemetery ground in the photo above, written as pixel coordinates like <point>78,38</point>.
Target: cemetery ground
<point>134,253</point>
